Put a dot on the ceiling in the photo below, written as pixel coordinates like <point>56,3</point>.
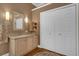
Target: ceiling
<point>21,7</point>
<point>38,4</point>
<point>18,7</point>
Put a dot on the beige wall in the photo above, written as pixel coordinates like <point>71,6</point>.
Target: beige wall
<point>8,25</point>
<point>4,48</point>
<point>36,14</point>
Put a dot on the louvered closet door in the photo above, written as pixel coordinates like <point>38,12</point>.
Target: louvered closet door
<point>46,26</point>
<point>65,30</point>
<point>58,30</point>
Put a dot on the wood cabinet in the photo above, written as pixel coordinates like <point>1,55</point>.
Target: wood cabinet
<point>35,41</point>
<point>22,44</point>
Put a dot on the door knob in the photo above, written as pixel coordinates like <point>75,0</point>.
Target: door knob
<point>59,34</point>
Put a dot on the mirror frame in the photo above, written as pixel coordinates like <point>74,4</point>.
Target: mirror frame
<point>14,21</point>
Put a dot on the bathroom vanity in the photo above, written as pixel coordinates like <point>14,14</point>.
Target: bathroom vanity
<point>21,44</point>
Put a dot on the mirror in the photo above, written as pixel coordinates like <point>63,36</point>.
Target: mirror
<point>18,21</point>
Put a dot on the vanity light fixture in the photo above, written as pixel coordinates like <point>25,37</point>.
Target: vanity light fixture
<point>26,19</point>
<point>7,15</point>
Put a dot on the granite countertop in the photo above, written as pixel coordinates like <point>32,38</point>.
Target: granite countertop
<point>20,35</point>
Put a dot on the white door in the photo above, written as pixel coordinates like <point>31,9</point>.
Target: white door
<point>58,30</point>
<point>46,26</point>
<point>65,30</point>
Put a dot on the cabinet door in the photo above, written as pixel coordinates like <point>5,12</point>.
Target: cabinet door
<point>35,42</point>
<point>23,45</point>
<point>29,43</point>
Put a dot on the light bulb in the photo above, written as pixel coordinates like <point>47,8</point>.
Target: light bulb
<point>26,19</point>
<point>7,15</point>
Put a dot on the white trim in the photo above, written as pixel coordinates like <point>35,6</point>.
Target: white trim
<point>65,6</point>
<point>77,7</point>
<point>41,6</point>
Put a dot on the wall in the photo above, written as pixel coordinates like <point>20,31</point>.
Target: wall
<point>36,14</point>
<point>4,48</point>
<point>8,25</point>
